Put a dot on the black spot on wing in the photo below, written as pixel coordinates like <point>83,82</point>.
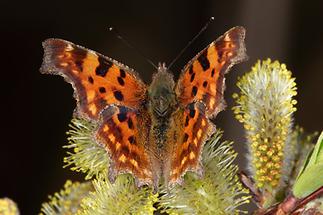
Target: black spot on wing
<point>103,67</point>
<point>79,55</point>
<point>202,59</point>
<point>79,65</point>
<point>130,124</point>
<point>122,117</point>
<point>192,77</point>
<point>122,73</point>
<point>212,73</point>
<point>185,138</point>
<point>125,150</point>
<point>194,90</point>
<point>132,139</point>
<point>192,112</point>
<point>90,79</point>
<point>121,81</point>
<point>191,70</point>
<point>205,84</point>
<point>102,90</point>
<point>186,121</point>
<point>118,95</point>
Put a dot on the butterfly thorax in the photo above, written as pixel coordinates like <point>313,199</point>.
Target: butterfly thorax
<point>162,103</point>
<point>162,98</point>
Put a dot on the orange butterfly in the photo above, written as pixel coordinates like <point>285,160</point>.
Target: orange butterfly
<point>148,131</point>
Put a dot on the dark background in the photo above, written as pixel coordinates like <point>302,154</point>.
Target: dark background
<point>36,109</point>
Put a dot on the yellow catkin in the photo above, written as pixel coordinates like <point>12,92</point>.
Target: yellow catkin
<point>68,199</point>
<point>265,104</point>
<point>8,207</point>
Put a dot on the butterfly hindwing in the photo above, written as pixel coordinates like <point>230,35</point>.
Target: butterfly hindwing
<point>191,131</point>
<point>98,81</point>
<point>124,134</point>
<point>202,78</point>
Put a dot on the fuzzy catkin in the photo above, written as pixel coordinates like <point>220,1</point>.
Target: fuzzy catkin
<point>264,107</point>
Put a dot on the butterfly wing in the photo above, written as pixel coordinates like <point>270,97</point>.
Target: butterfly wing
<point>202,78</point>
<point>186,148</point>
<point>200,92</point>
<point>98,81</point>
<point>110,94</point>
<point>123,132</point>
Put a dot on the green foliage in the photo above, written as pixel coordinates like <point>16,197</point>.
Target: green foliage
<point>310,177</point>
<point>300,145</point>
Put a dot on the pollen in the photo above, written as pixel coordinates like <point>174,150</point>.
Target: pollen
<point>122,158</point>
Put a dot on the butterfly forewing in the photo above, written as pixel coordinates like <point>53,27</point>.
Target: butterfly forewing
<point>98,81</point>
<point>202,78</point>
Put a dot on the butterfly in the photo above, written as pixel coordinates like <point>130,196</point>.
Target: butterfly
<point>154,132</point>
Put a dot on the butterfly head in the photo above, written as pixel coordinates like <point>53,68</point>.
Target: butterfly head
<point>161,91</point>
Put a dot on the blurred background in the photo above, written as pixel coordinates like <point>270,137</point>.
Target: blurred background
<point>36,109</point>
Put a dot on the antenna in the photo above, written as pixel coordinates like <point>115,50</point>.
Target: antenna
<point>190,42</point>
<point>118,35</point>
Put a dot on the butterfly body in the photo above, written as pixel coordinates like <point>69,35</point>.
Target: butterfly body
<point>153,132</point>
